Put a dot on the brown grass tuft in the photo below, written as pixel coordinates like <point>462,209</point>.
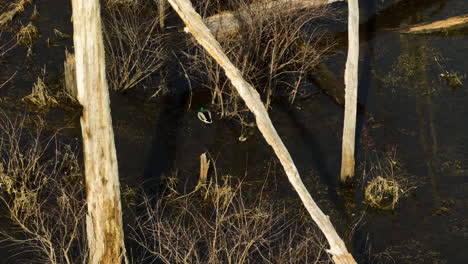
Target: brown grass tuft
<point>27,35</point>
<point>40,95</point>
<point>386,181</point>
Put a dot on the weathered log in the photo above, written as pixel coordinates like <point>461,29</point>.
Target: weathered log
<point>104,216</point>
<point>229,23</point>
<point>437,26</point>
<point>15,9</point>
<point>252,99</point>
<point>351,86</point>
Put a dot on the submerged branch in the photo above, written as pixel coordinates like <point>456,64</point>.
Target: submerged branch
<point>437,26</point>
<point>229,23</point>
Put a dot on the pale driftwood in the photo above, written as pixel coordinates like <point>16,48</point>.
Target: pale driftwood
<point>437,26</point>
<point>70,74</point>
<point>351,87</point>
<point>204,167</point>
<point>104,216</point>
<point>252,99</point>
<point>16,7</point>
<point>229,23</point>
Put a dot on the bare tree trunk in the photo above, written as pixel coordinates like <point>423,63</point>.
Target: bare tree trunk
<point>252,99</point>
<point>351,84</point>
<point>104,217</point>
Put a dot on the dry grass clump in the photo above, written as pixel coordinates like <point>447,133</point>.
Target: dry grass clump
<point>387,181</point>
<point>217,223</point>
<point>134,42</point>
<point>382,193</point>
<point>274,55</point>
<point>15,8</point>
<point>40,95</point>
<point>43,196</point>
<point>27,35</point>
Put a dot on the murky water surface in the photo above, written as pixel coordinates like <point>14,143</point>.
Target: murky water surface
<point>415,110</point>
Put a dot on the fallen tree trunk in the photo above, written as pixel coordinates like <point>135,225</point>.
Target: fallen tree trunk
<point>104,217</point>
<point>351,87</point>
<point>229,23</point>
<point>252,99</point>
<point>437,26</point>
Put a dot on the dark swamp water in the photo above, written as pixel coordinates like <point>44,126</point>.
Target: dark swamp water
<point>418,113</point>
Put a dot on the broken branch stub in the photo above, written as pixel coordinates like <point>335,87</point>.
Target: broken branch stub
<point>252,99</point>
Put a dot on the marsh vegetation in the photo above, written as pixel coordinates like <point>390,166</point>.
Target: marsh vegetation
<point>411,163</point>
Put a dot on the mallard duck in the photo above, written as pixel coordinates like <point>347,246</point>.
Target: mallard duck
<point>205,116</point>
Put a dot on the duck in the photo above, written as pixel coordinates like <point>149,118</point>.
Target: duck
<point>204,116</point>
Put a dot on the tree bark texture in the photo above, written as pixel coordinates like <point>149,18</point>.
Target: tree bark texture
<point>104,216</point>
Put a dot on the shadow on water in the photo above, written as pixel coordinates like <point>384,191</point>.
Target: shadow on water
<point>163,144</point>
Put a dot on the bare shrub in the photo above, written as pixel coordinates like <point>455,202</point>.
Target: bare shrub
<point>218,223</point>
<point>134,42</point>
<point>274,55</point>
<point>42,191</point>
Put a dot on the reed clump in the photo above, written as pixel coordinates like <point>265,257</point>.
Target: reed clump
<point>220,223</point>
<point>382,193</point>
<point>273,54</point>
<point>42,195</point>
<point>27,35</point>
<point>40,95</point>
<point>134,43</point>
<point>386,181</point>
